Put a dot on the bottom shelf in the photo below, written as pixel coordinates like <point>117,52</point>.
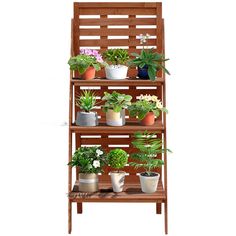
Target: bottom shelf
<point>132,192</point>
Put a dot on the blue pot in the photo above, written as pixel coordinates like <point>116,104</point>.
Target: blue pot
<point>143,72</point>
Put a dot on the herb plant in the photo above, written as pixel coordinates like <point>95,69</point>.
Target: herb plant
<point>149,59</point>
<point>117,158</point>
<point>149,147</point>
<point>86,101</point>
<point>89,159</point>
<point>145,104</point>
<point>116,101</point>
<point>116,56</point>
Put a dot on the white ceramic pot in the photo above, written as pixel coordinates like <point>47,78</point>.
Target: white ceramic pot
<point>116,72</point>
<point>117,180</point>
<point>149,183</point>
<point>115,118</point>
<point>88,182</point>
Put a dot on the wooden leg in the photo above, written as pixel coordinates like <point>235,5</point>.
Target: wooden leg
<point>79,208</point>
<point>158,208</point>
<point>69,216</point>
<point>166,217</point>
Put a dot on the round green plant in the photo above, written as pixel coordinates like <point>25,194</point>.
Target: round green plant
<point>117,158</point>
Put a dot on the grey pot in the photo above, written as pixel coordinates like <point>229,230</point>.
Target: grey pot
<point>86,118</point>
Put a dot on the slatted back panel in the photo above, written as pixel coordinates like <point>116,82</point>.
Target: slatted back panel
<point>116,25</point>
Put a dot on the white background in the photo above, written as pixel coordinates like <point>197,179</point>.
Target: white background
<point>34,49</point>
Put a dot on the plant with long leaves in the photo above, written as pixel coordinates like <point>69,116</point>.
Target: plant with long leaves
<point>116,101</point>
<point>149,147</point>
<point>86,101</point>
<point>116,56</point>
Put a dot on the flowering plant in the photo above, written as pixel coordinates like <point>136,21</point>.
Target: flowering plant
<point>145,104</point>
<point>89,159</point>
<point>85,59</point>
<point>148,59</point>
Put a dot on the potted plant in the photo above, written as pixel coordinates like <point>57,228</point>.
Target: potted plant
<point>117,57</point>
<point>148,61</point>
<point>115,106</point>
<point>90,161</point>
<point>149,147</point>
<point>117,159</point>
<point>86,101</point>
<point>87,62</point>
<point>146,108</point>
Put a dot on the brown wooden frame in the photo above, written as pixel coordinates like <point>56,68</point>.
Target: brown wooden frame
<point>134,87</point>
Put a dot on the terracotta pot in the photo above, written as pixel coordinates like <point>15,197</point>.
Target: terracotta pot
<point>89,74</point>
<point>88,182</point>
<point>149,119</point>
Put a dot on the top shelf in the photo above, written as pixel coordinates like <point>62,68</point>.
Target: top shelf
<point>123,82</point>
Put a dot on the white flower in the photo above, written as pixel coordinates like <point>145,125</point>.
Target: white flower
<point>99,152</point>
<point>96,164</point>
<point>159,104</point>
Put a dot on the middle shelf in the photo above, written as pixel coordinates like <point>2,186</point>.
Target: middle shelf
<point>129,128</point>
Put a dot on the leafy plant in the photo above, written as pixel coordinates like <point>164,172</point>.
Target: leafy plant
<point>86,101</point>
<point>116,56</point>
<point>116,101</point>
<point>150,59</point>
<point>146,104</point>
<point>89,159</point>
<point>87,58</point>
<point>117,158</point>
<point>149,147</point>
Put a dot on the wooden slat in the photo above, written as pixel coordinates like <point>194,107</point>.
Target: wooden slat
<point>116,11</point>
<point>117,21</point>
<point>132,192</point>
<point>129,128</point>
<point>113,42</point>
<point>116,32</point>
<point>110,5</point>
<point>126,82</point>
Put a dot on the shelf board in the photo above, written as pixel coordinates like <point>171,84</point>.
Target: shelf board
<point>132,192</point>
<point>130,127</point>
<point>124,82</point>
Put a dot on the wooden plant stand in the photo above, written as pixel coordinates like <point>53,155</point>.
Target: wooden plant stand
<point>107,136</point>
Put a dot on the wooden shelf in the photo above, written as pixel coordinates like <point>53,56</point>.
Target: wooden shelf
<point>130,127</point>
<point>132,192</point>
<point>124,82</point>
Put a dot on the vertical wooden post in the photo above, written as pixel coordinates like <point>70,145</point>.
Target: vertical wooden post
<point>69,216</point>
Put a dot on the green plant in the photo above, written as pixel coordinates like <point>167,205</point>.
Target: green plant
<point>116,101</point>
<point>146,104</point>
<point>149,59</point>
<point>149,147</point>
<point>116,56</point>
<point>89,159</point>
<point>117,158</point>
<point>86,101</point>
<point>83,62</point>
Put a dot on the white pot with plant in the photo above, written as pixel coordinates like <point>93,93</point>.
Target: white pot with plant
<point>90,161</point>
<point>117,159</point>
<point>149,147</point>
<point>115,106</point>
<point>86,102</point>
<point>118,57</point>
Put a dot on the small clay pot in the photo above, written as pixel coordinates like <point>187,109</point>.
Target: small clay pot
<point>149,183</point>
<point>117,180</point>
<point>89,73</point>
<point>143,72</point>
<point>115,118</point>
<point>149,119</point>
